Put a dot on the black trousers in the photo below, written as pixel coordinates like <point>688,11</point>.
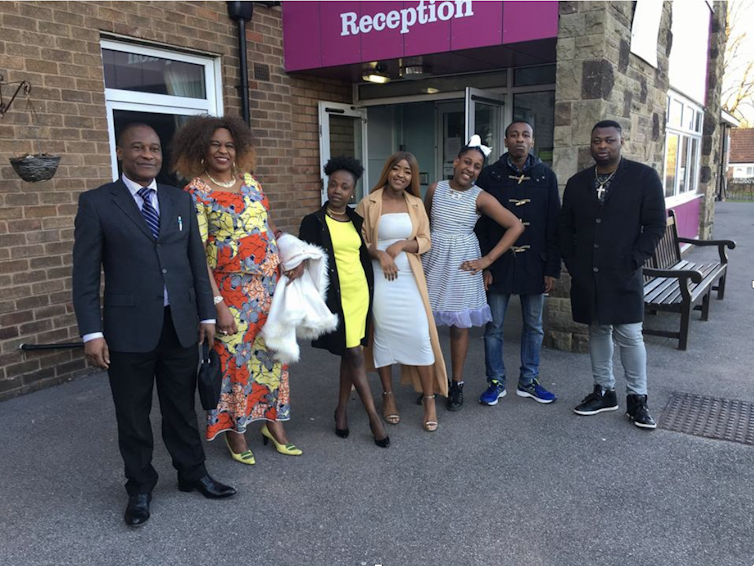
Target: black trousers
<point>132,376</point>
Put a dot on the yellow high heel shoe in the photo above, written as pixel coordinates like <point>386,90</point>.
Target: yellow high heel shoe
<point>287,449</point>
<point>245,457</point>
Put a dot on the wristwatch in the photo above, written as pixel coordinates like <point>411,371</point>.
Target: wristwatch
<point>218,299</point>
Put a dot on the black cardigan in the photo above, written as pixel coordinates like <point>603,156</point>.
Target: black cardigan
<point>314,230</point>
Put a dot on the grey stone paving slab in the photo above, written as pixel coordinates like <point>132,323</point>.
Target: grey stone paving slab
<point>518,484</point>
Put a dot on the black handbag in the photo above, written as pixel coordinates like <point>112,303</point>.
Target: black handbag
<point>210,378</point>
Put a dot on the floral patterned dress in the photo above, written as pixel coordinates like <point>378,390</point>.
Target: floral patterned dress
<point>242,253</point>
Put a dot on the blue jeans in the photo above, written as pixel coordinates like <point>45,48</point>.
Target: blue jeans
<point>633,355</point>
<point>531,337</point>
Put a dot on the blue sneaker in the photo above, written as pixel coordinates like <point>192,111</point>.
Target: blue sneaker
<point>536,392</point>
<point>494,392</point>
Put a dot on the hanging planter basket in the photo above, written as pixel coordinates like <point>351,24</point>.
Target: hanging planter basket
<point>31,167</point>
<point>34,168</point>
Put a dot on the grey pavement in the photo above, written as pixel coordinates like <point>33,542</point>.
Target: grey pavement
<point>518,484</point>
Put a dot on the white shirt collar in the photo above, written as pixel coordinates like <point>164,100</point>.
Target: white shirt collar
<point>134,187</point>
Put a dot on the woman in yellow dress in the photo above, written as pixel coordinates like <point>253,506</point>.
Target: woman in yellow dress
<point>337,229</point>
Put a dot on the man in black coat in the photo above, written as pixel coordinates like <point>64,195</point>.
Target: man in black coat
<point>613,216</point>
<point>529,189</point>
<point>146,236</point>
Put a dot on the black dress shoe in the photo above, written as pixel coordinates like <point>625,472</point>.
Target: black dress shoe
<point>137,510</point>
<point>208,487</point>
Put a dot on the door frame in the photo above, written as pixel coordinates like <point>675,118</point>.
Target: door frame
<point>325,109</point>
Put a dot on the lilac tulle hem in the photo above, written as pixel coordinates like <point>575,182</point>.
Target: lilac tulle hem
<point>463,319</point>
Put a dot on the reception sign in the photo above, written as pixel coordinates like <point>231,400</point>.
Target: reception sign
<point>328,34</point>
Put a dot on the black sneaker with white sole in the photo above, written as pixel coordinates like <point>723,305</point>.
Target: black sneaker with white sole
<point>598,401</point>
<point>638,412</point>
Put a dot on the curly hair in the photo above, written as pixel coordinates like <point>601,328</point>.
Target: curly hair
<point>190,144</point>
<point>345,163</point>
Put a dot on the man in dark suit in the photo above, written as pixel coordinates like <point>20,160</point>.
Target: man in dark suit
<point>613,216</point>
<point>529,189</point>
<point>157,289</point>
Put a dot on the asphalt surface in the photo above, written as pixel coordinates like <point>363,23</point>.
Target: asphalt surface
<point>518,484</point>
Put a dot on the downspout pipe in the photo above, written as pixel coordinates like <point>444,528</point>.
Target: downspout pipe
<point>242,12</point>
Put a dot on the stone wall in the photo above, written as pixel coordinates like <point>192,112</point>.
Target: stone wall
<point>56,46</point>
<point>599,78</point>
<point>712,132</point>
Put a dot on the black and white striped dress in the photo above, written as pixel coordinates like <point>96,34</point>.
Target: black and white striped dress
<point>457,297</point>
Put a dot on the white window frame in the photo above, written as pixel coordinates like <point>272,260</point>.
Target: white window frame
<point>324,109</point>
<point>117,99</point>
<point>692,158</point>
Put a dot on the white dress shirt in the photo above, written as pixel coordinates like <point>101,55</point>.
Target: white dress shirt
<point>134,189</point>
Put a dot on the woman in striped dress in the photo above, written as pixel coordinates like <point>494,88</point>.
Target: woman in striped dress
<point>453,266</point>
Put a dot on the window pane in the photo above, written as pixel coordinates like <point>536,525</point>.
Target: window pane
<point>676,112</point>
<point>432,85</point>
<point>698,125</point>
<point>689,118</point>
<point>671,159</point>
<point>528,76</point>
<point>538,108</point>
<point>693,180</point>
<point>143,73</point>
<point>165,125</point>
<point>682,168</point>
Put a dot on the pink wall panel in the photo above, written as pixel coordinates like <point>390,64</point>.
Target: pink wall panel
<point>301,19</point>
<point>687,217</point>
<point>336,49</point>
<point>428,38</point>
<point>525,21</point>
<point>383,44</point>
<point>312,30</point>
<point>485,28</point>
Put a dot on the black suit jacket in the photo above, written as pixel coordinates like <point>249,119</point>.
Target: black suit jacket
<point>314,230</point>
<point>605,245</point>
<point>112,233</point>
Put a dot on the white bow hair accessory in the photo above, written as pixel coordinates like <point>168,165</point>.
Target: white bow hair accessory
<point>476,141</point>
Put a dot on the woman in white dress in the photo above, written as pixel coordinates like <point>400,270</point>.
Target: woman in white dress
<point>396,229</point>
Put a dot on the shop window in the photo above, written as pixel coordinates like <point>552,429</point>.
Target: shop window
<point>158,87</point>
<point>682,145</point>
<point>528,76</point>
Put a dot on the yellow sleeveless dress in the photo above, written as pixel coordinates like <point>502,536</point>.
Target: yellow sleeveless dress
<point>354,291</point>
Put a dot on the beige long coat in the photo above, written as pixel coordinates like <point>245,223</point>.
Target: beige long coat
<point>370,208</point>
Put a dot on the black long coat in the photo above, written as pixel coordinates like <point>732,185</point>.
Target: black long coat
<point>605,245</point>
<point>522,272</point>
<point>314,230</point>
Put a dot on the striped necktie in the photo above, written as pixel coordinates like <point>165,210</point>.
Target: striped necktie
<point>149,212</point>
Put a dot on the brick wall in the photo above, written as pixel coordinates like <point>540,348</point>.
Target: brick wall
<point>56,47</point>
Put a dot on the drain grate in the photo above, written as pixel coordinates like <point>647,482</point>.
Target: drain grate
<point>710,417</point>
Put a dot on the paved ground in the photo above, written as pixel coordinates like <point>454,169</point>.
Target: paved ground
<point>518,484</point>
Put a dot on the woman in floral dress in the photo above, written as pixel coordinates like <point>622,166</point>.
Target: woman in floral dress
<point>244,267</point>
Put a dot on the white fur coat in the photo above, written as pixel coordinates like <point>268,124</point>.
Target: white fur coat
<point>298,309</point>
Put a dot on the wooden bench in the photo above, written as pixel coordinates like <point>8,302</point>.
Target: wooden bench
<point>676,285</point>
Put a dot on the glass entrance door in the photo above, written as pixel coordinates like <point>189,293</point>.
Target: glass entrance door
<point>484,116</point>
<point>342,131</point>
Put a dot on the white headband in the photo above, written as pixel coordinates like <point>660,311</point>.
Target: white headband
<point>476,142</point>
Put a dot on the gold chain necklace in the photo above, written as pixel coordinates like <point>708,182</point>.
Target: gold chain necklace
<point>223,184</point>
<point>334,213</point>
